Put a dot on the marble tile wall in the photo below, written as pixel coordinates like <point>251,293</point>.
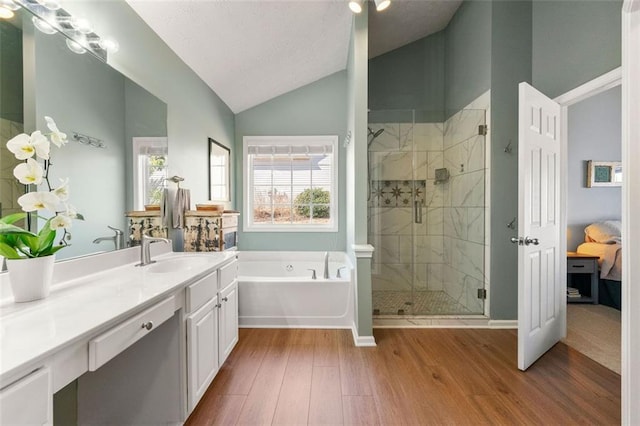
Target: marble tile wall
<point>403,160</point>
<point>10,188</point>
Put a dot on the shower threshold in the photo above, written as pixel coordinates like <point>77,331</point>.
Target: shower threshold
<point>431,321</point>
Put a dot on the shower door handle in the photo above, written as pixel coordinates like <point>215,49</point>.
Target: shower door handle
<point>417,211</point>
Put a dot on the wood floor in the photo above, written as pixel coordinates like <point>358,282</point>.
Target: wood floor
<point>413,376</point>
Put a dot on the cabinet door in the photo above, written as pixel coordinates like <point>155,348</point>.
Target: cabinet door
<point>228,320</point>
<point>202,347</point>
<point>29,401</point>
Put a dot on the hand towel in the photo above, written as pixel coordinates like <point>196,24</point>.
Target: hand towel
<point>181,204</point>
<point>164,208</point>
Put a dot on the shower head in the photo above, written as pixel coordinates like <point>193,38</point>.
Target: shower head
<point>374,135</point>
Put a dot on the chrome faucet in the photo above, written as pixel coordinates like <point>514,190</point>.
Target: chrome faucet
<point>117,239</point>
<point>326,265</point>
<point>145,252</point>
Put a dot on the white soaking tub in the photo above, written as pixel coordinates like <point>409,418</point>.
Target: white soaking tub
<point>276,289</point>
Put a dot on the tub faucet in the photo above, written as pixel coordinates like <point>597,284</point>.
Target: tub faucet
<point>326,265</point>
<point>117,239</point>
<point>145,252</point>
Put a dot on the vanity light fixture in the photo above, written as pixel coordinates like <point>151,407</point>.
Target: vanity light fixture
<point>356,5</point>
<point>382,4</point>
<point>43,26</point>
<point>88,140</point>
<point>109,44</point>
<point>9,4</point>
<point>75,47</point>
<point>6,13</point>
<point>82,25</point>
<point>50,4</point>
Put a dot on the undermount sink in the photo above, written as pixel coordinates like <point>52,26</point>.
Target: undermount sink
<point>175,264</point>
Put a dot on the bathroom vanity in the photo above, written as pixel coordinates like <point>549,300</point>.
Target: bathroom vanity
<point>138,344</point>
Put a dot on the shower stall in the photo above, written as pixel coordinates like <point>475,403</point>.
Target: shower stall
<point>426,213</point>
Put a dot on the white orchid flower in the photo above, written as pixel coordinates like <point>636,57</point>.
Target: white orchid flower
<point>60,221</point>
<point>57,137</point>
<point>21,146</point>
<point>33,201</point>
<point>62,192</point>
<point>70,211</point>
<point>30,172</point>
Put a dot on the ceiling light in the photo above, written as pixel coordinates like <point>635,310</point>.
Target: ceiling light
<point>75,47</point>
<point>6,13</point>
<point>9,4</point>
<point>110,45</point>
<point>382,4</point>
<point>356,6</point>
<point>43,26</point>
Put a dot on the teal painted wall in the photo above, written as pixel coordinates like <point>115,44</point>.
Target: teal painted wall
<point>195,112</point>
<point>320,108</point>
<point>574,42</point>
<point>467,55</point>
<point>410,77</point>
<point>11,99</point>
<point>510,64</point>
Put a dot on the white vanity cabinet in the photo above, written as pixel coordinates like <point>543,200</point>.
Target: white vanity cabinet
<point>29,401</point>
<point>202,337</point>
<point>212,327</point>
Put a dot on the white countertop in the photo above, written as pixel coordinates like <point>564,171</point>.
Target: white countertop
<point>86,305</point>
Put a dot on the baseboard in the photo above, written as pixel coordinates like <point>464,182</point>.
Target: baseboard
<point>362,341</point>
<point>503,323</point>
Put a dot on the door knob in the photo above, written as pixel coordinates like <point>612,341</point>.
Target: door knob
<point>533,241</point>
<point>517,240</point>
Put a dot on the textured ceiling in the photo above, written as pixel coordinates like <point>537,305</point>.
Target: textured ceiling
<point>406,21</point>
<point>250,51</point>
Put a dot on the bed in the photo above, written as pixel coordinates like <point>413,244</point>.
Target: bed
<point>603,239</point>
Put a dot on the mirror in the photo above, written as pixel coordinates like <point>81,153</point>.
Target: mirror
<point>219,171</point>
<point>99,109</point>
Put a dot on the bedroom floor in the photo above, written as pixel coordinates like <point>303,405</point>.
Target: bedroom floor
<point>594,330</point>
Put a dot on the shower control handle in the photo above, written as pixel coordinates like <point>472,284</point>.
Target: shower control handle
<point>417,210</point>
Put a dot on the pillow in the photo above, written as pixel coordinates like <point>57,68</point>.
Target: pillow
<point>607,232</point>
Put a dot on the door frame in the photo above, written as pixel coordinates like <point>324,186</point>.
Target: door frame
<point>630,210</point>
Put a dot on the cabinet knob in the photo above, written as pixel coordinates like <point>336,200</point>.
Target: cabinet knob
<point>224,299</point>
<point>148,325</point>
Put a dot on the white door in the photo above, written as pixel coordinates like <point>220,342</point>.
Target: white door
<point>541,292</point>
<point>202,346</point>
<point>228,320</point>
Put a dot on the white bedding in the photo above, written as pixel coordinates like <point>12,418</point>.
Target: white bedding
<point>609,258</point>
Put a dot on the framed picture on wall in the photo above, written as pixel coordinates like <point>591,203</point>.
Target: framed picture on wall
<point>219,171</point>
<point>604,173</point>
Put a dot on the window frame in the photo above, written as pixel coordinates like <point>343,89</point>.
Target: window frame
<point>216,148</point>
<point>139,185</point>
<point>248,225</point>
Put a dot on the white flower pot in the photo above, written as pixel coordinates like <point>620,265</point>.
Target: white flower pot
<point>30,278</point>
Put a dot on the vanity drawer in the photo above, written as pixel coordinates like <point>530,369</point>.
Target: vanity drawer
<point>119,338</point>
<point>229,221</point>
<point>201,292</point>
<point>581,266</point>
<point>228,273</point>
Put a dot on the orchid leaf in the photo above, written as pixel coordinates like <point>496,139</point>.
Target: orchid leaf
<point>12,218</point>
<point>51,250</point>
<point>9,252</point>
<point>45,237</point>
<point>7,229</point>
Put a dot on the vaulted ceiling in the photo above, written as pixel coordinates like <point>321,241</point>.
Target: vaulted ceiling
<point>250,51</point>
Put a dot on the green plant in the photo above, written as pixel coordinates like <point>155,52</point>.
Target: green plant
<point>17,242</point>
<point>319,198</point>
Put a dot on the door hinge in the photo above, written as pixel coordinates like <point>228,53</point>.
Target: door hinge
<point>482,293</point>
<point>483,129</point>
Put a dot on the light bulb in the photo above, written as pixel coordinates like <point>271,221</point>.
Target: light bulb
<point>6,13</point>
<point>75,47</point>
<point>82,24</point>
<point>50,4</point>
<point>9,4</point>
<point>43,26</point>
<point>109,44</point>
<point>355,6</point>
<point>382,4</point>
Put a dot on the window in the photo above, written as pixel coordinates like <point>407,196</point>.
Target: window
<point>290,183</point>
<point>149,170</point>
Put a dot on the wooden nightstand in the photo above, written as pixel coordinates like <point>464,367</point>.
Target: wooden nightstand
<point>582,273</point>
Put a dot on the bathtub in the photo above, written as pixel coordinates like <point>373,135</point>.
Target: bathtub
<point>275,290</point>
